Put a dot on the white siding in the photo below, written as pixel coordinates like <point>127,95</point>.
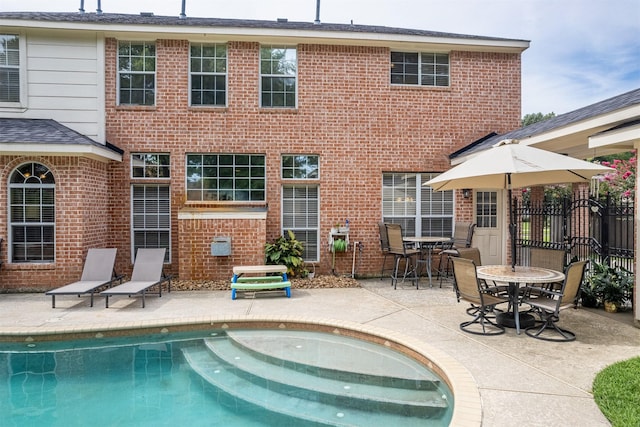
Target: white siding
<point>65,81</point>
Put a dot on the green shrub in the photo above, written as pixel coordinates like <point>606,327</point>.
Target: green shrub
<point>286,251</point>
<point>609,283</point>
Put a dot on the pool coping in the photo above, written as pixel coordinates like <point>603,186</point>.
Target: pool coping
<point>467,403</point>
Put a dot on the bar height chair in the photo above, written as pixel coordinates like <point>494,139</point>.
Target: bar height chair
<point>384,247</point>
<point>398,249</point>
<point>462,238</point>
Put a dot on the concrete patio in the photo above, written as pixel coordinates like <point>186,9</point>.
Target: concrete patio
<point>516,376</point>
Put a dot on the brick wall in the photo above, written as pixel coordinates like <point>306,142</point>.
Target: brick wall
<point>347,113</point>
<point>197,263</point>
<point>82,193</point>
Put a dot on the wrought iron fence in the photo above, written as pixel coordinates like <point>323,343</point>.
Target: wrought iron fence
<point>586,227</point>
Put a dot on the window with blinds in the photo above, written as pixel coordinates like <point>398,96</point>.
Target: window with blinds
<point>420,68</point>
<point>9,68</point>
<point>417,208</point>
<point>32,214</point>
<point>151,218</point>
<point>301,214</point>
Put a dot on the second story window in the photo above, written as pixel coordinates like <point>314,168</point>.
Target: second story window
<point>208,70</point>
<point>136,73</point>
<point>278,69</point>
<point>9,68</point>
<point>226,177</point>
<point>424,69</point>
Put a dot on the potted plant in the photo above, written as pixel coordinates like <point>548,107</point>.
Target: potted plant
<point>286,251</point>
<point>612,284</point>
<point>589,295</point>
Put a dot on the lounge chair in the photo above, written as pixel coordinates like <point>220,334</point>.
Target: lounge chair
<point>147,272</point>
<point>97,272</point>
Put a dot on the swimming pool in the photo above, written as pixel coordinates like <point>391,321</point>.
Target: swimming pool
<point>220,376</point>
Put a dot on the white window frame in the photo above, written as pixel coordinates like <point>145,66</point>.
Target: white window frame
<point>302,222</point>
<point>212,172</point>
<point>301,167</point>
<point>144,72</point>
<point>22,71</point>
<point>204,73</point>
<point>145,210</point>
<point>486,211</point>
<point>31,185</point>
<point>273,76</point>
<point>407,205</point>
<point>421,75</point>
<point>152,165</point>
<point>297,214</point>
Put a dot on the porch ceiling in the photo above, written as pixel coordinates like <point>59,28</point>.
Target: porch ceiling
<point>601,135</point>
<point>606,127</point>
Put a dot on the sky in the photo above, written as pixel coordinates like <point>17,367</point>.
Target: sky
<point>581,51</point>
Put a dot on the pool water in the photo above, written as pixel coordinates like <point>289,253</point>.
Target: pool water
<point>239,378</point>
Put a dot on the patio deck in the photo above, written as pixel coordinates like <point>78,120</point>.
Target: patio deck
<point>516,375</point>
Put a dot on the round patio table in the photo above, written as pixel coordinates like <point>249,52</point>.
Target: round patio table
<point>521,275</point>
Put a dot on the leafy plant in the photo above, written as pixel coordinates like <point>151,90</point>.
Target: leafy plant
<point>610,283</point>
<point>286,251</point>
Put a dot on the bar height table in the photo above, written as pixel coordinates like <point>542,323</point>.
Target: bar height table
<point>426,245</point>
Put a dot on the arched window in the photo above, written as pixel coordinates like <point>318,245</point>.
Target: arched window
<point>32,214</point>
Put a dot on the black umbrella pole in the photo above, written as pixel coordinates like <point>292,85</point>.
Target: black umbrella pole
<point>513,228</point>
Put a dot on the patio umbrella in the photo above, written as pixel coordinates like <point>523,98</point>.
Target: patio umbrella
<point>508,165</point>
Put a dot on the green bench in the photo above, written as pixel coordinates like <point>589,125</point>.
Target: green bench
<point>240,282</point>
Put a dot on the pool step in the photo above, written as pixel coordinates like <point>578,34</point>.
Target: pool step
<point>337,357</point>
<point>307,398</point>
<point>357,390</point>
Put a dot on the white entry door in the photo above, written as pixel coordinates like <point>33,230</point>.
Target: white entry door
<point>488,236</point>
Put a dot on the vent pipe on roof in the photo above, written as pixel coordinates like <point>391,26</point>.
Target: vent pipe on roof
<point>184,6</point>
<point>99,9</point>
<point>317,21</point>
<point>81,6</point>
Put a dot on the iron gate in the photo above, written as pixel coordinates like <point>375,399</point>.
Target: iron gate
<point>598,229</point>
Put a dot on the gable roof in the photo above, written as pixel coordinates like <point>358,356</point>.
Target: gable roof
<point>195,25</point>
<point>583,121</point>
<point>50,137</point>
